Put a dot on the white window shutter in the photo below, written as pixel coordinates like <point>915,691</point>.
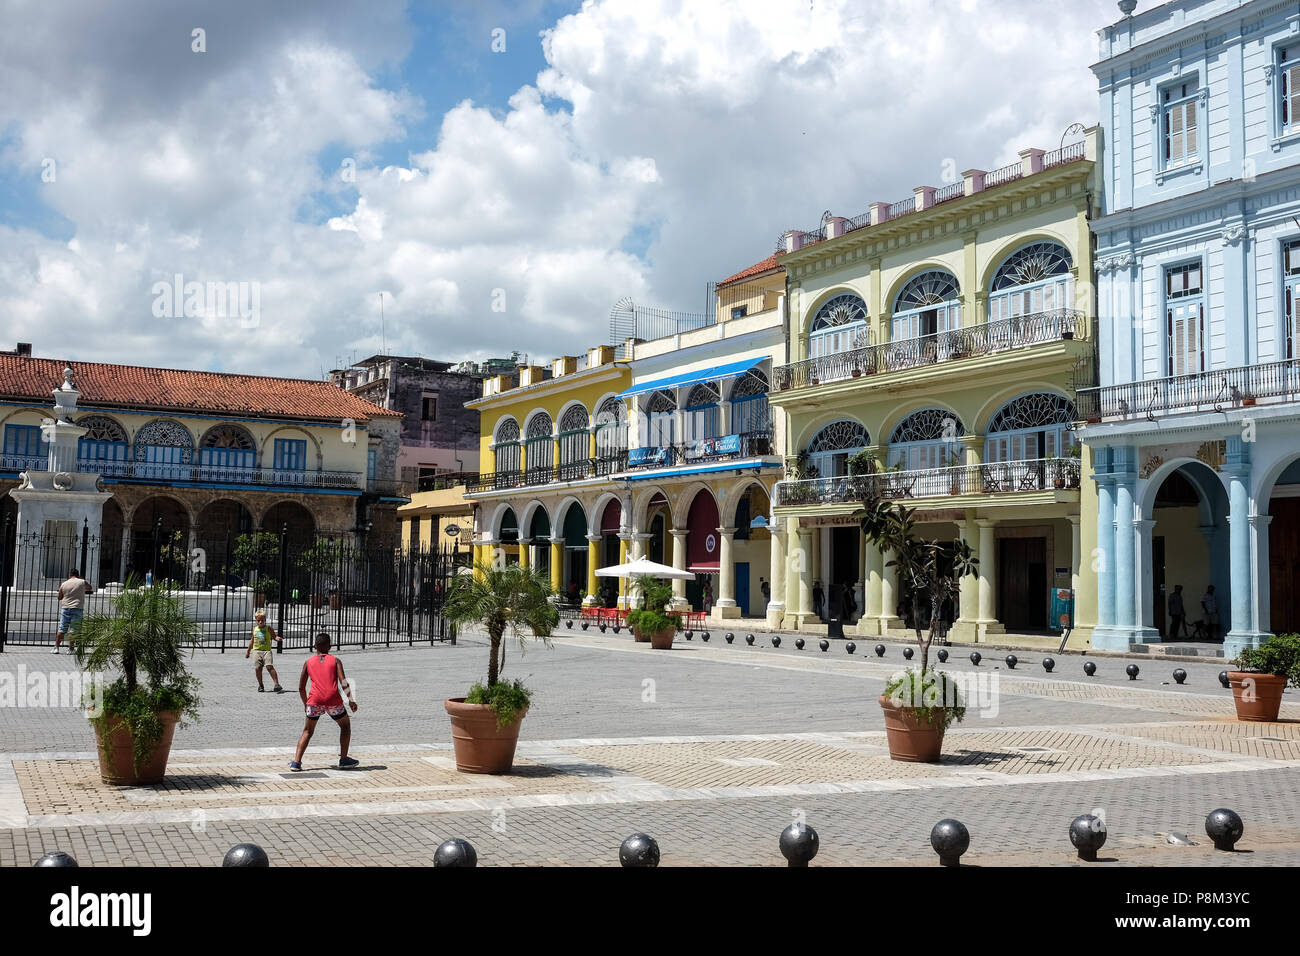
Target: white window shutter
<point>1291,81</point>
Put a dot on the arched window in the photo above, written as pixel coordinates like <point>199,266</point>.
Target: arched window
<point>661,410</point>
<point>105,440</point>
<point>539,444</point>
<point>164,450</point>
<point>928,304</point>
<point>749,411</point>
<point>1032,426</point>
<point>840,325</point>
<point>926,439</point>
<point>506,452</point>
<point>611,428</point>
<point>575,438</point>
<point>1035,278</point>
<point>832,447</point>
<point>700,418</point>
<point>227,446</point>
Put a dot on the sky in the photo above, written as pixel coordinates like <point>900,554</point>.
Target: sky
<point>284,188</point>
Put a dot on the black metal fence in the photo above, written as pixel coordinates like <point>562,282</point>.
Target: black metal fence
<point>360,594</point>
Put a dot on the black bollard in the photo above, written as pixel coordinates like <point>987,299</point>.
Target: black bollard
<point>586,624</point>
<point>640,849</point>
<point>1180,675</point>
<point>1089,668</point>
<point>568,622</point>
<point>825,645</point>
<point>776,640</point>
<point>950,840</point>
<point>749,639</point>
<point>246,854</point>
<point>1223,679</point>
<point>880,650</point>
<point>1048,664</point>
<point>943,655</point>
<point>689,635</point>
<point>455,852</point>
<point>907,653</point>
<point>1224,827</point>
<point>705,637</point>
<point>799,844</point>
<point>57,858</point>
<point>975,658</point>
<point>1088,834</point>
<point>798,643</point>
<point>1132,671</point>
<point>617,628</point>
<point>730,637</point>
<point>603,628</point>
<point>1011,661</point>
<point>850,647</point>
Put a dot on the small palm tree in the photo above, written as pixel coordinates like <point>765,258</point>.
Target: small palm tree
<point>507,598</point>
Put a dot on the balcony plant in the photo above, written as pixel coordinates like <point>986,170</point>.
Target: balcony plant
<point>952,463</point>
<point>509,599</point>
<point>652,622</point>
<point>919,703</point>
<point>143,637</point>
<point>1262,674</point>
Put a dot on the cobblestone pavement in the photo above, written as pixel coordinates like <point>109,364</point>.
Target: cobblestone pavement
<point>712,748</point>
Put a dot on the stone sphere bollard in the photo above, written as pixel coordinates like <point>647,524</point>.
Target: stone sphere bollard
<point>1180,675</point>
<point>730,637</point>
<point>880,650</point>
<point>798,643</point>
<point>799,844</point>
<point>617,628</point>
<point>824,644</point>
<point>975,658</point>
<point>586,624</point>
<point>603,628</point>
<point>749,639</point>
<point>850,647</point>
<point>1223,679</point>
<point>943,655</point>
<point>1048,664</point>
<point>705,637</point>
<point>1224,827</point>
<point>640,849</point>
<point>1011,661</point>
<point>455,852</point>
<point>568,622</point>
<point>1089,668</point>
<point>1088,834</point>
<point>950,840</point>
<point>907,653</point>
<point>1132,671</point>
<point>246,854</point>
<point>776,640</point>
<point>57,858</point>
<point>689,635</point>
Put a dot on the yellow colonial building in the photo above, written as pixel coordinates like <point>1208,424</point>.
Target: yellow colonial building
<point>936,345</point>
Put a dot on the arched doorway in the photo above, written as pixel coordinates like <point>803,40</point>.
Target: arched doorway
<point>611,517</point>
<point>1284,552</point>
<point>573,579</point>
<point>658,520</point>
<point>539,531</point>
<point>216,530</point>
<point>751,551</point>
<point>111,524</point>
<point>160,540</point>
<point>702,551</point>
<point>293,517</point>
<point>508,535</point>
<point>1188,553</point>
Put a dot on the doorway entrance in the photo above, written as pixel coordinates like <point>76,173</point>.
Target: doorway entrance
<point>1284,565</point>
<point>844,563</point>
<point>1022,583</point>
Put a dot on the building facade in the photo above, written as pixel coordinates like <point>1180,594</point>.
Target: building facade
<point>936,346</point>
<point>1193,425</point>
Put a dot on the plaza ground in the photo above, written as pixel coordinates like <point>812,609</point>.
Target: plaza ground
<point>713,749</point>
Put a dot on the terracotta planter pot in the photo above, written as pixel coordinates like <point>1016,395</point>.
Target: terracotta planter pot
<point>1058,482</point>
<point>640,636</point>
<point>911,738</point>
<point>1248,402</point>
<point>335,602</point>
<point>317,600</point>
<point>663,640</point>
<point>117,754</point>
<point>481,746</point>
<point>1258,696</point>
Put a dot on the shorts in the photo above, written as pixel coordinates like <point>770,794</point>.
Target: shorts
<point>261,658</point>
<point>69,618</point>
<point>315,711</point>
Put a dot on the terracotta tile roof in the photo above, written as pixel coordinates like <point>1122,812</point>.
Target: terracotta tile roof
<point>182,391</point>
<point>758,268</point>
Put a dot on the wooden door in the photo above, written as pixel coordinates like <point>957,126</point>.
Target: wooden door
<point>1022,583</point>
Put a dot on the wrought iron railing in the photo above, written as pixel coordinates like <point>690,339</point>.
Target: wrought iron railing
<point>1066,154</point>
<point>857,222</point>
<point>951,191</point>
<point>1000,336</point>
<point>753,444</point>
<point>24,462</point>
<point>902,207</point>
<point>539,475</point>
<point>1003,175</point>
<point>1215,390</point>
<point>547,474</point>
<point>495,481</point>
<point>1002,477</point>
<point>186,473</point>
<point>445,481</point>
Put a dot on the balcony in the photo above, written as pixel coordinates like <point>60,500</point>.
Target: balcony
<point>745,445</point>
<point>19,463</point>
<point>445,481</point>
<point>1241,387</point>
<point>580,470</point>
<point>990,338</point>
<point>994,478</point>
<point>166,473</point>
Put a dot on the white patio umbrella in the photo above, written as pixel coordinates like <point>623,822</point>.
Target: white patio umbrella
<point>644,566</point>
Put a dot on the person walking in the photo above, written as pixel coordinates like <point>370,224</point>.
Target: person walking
<point>849,603</point>
<point>1177,614</point>
<point>324,672</point>
<point>818,599</point>
<point>72,601</point>
<point>1210,605</point>
<point>260,645</point>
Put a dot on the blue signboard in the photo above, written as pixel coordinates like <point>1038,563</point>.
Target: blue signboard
<point>714,447</point>
<point>1062,609</point>
<point>647,456</point>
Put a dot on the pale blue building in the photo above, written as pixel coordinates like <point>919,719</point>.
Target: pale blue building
<point>1195,428</point>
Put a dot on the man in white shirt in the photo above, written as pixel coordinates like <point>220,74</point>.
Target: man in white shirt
<point>1210,605</point>
<point>72,601</point>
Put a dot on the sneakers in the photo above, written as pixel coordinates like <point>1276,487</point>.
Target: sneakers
<point>346,762</point>
<point>295,766</point>
<point>278,689</point>
<point>261,689</point>
<point>55,651</point>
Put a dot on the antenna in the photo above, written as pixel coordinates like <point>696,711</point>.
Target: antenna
<point>383,334</point>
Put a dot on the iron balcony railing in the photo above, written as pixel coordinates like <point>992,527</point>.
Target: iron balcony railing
<point>1215,390</point>
<point>753,444</point>
<point>166,472</point>
<point>951,191</point>
<point>445,481</point>
<point>495,481</point>
<point>991,337</point>
<point>24,462</point>
<point>548,474</point>
<point>1003,175</point>
<point>1066,154</point>
<point>903,207</point>
<point>1001,477</point>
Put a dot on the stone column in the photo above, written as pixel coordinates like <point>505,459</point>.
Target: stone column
<point>525,553</point>
<point>1146,576</point>
<point>775,609</point>
<point>824,567</point>
<point>888,592</point>
<point>593,558</point>
<point>1125,558</point>
<point>1262,611</point>
<point>726,605</point>
<point>860,588</point>
<point>1105,553</point>
<point>622,559</point>
<point>966,627</point>
<point>988,583</point>
<point>869,625</point>
<point>679,564</point>
<point>557,564</point>
<point>1241,631</point>
<point>1076,547</point>
<point>804,610</point>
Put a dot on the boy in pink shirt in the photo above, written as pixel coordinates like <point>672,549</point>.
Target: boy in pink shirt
<point>324,671</point>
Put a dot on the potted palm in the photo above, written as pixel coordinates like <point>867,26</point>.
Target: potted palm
<point>919,703</point>
<point>506,599</point>
<point>264,590</point>
<point>652,622</point>
<point>253,553</point>
<point>1262,674</point>
<point>323,560</point>
<point>142,637</point>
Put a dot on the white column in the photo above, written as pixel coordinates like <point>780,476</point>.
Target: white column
<point>804,609</point>
<point>860,589</point>
<point>679,564</point>
<point>775,609</point>
<point>1263,594</point>
<point>988,586</point>
<point>966,627</point>
<point>824,565</point>
<point>1076,557</point>
<point>726,606</point>
<point>888,593</point>
<point>1146,572</point>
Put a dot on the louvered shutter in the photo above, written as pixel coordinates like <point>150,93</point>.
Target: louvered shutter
<point>1290,93</point>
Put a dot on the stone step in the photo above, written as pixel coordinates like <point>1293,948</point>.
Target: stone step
<point>1178,650</point>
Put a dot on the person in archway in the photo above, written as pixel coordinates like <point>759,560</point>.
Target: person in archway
<point>707,600</point>
<point>849,604</point>
<point>1210,605</point>
<point>1177,614</point>
<point>818,599</point>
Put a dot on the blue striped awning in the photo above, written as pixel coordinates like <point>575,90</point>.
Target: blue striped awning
<point>714,374</point>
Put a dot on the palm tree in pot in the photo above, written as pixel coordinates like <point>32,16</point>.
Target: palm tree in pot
<point>505,599</point>
<point>919,703</point>
<point>143,637</point>
<point>652,622</point>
